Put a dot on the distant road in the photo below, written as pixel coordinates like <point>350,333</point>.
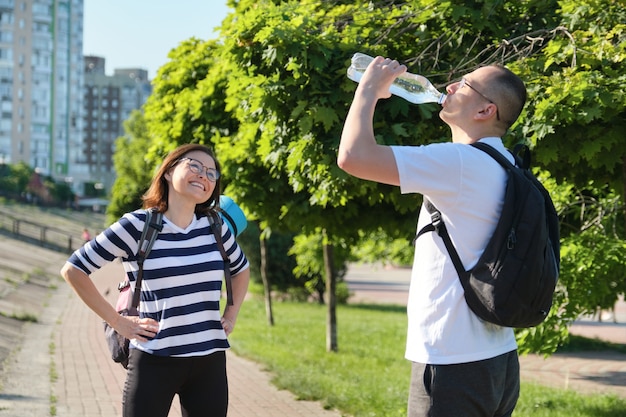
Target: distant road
<point>390,285</point>
<point>378,284</point>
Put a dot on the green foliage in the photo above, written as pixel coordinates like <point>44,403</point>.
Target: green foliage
<point>20,176</point>
<point>381,246</point>
<point>310,267</point>
<point>16,182</point>
<point>280,264</point>
<point>60,192</point>
<point>134,172</point>
<point>271,95</point>
<point>289,93</point>
<point>187,104</point>
<point>576,106</point>
<point>593,271</point>
<point>15,178</point>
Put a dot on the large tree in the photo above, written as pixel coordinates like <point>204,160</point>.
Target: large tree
<point>576,119</point>
<point>289,92</point>
<point>271,95</point>
<point>290,59</point>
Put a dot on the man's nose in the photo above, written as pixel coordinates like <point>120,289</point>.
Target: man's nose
<point>451,88</point>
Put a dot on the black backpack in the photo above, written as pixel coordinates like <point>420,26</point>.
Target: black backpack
<point>513,282</point>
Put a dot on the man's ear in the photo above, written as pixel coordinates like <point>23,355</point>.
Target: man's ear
<point>487,112</point>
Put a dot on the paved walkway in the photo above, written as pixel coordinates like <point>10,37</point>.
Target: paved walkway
<point>68,339</point>
<point>68,343</point>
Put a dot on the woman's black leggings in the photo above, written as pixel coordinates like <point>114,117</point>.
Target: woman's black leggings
<point>152,381</point>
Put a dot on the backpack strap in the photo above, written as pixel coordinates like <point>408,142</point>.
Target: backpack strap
<point>522,161</point>
<point>230,220</point>
<point>437,225</point>
<point>216,226</point>
<point>151,228</point>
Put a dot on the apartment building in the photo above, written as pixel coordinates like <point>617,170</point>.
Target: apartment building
<point>59,112</point>
<point>41,76</point>
<point>108,102</point>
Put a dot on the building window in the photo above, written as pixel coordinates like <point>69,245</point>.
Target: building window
<point>6,17</point>
<point>6,54</point>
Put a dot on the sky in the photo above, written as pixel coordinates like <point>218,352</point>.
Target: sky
<point>140,33</point>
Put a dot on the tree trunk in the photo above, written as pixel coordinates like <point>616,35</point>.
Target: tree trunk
<point>267,290</point>
<point>331,304</point>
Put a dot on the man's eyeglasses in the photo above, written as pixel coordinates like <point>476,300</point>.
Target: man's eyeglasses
<point>196,167</point>
<point>464,82</point>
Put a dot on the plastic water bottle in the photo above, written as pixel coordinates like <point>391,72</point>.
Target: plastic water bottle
<point>411,87</point>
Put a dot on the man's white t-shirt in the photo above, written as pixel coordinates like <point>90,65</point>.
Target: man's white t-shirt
<point>467,186</point>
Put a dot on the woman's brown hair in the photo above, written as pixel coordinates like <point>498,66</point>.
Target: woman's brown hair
<point>157,194</point>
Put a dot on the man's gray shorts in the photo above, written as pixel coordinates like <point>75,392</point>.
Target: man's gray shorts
<point>487,388</point>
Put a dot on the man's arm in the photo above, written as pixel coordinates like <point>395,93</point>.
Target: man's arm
<point>359,154</point>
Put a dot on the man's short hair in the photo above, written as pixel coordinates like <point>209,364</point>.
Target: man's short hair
<point>510,93</point>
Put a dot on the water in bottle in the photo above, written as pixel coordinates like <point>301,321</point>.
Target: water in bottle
<point>411,87</point>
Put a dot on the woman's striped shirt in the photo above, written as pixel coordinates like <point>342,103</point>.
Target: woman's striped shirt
<point>182,280</point>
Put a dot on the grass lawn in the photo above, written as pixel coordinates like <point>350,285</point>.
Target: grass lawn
<point>368,376</point>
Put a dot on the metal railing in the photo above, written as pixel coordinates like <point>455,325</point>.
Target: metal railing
<point>42,235</point>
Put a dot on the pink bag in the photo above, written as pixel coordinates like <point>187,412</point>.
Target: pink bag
<point>128,301</point>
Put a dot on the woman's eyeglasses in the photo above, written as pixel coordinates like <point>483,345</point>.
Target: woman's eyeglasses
<point>196,167</point>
